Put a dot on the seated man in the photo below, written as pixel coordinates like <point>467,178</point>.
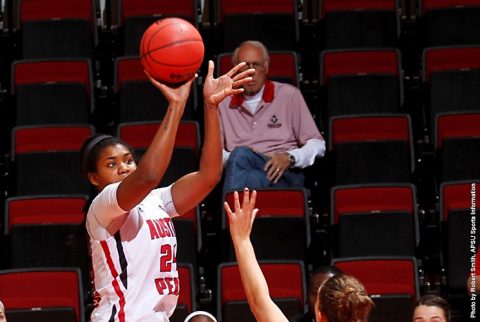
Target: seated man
<point>268,130</point>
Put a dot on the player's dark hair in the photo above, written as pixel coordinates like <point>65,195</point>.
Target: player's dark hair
<point>435,300</point>
<point>90,152</point>
<point>93,146</point>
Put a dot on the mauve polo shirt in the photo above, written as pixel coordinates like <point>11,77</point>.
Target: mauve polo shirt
<point>282,121</point>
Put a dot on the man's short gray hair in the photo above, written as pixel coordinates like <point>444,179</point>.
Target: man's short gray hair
<point>254,43</point>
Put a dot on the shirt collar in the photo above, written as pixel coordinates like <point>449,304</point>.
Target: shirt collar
<point>267,97</point>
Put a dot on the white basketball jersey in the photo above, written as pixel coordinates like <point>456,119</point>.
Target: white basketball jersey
<point>135,270</point>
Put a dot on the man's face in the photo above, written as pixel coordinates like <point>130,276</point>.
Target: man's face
<point>253,56</point>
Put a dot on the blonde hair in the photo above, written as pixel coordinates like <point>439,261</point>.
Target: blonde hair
<point>344,299</point>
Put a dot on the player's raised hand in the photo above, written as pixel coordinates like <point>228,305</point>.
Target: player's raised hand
<point>216,89</point>
<point>173,94</point>
<point>241,221</point>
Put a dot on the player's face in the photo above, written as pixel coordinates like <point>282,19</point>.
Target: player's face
<point>254,58</point>
<point>424,313</point>
<point>114,164</point>
<point>2,314</point>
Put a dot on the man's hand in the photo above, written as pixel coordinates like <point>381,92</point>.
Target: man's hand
<point>276,166</point>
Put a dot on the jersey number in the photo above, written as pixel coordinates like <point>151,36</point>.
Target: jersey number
<point>167,285</point>
<point>167,257</point>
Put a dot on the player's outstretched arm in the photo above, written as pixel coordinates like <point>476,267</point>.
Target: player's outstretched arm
<point>256,288</point>
<point>191,189</point>
<point>154,162</point>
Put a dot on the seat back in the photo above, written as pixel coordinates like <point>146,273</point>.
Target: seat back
<point>375,220</point>
<point>138,99</point>
<point>282,227</point>
<point>383,275</point>
<point>52,91</point>
<point>371,148</point>
<point>43,289</point>
<point>135,16</point>
<point>371,77</point>
<point>457,146</point>
<point>274,23</point>
<point>360,23</point>
<point>451,76</point>
<point>456,218</point>
<point>286,282</point>
<point>186,299</point>
<point>189,237</point>
<point>47,158</point>
<point>52,28</point>
<point>450,22</point>
<point>185,153</point>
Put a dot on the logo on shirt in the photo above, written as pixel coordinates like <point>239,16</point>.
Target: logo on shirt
<point>273,122</point>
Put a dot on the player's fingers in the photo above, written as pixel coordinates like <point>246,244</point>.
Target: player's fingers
<point>254,214</point>
<point>240,82</point>
<point>236,69</point>
<point>236,201</point>
<point>253,198</point>
<point>244,74</point>
<point>227,209</point>
<point>211,66</point>
<point>235,91</point>
<point>246,198</point>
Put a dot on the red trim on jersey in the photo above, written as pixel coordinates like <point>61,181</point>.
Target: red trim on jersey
<point>116,286</point>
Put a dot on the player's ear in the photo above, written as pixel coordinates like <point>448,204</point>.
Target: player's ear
<point>318,314</point>
<point>93,178</point>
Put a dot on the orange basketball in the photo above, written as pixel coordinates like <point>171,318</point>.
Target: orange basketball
<point>171,50</point>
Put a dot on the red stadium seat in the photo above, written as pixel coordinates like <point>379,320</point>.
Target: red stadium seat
<point>188,291</point>
<point>42,294</point>
<point>451,78</point>
<point>449,22</point>
<point>360,23</point>
<point>286,282</point>
<point>52,91</point>
<point>457,146</point>
<point>282,227</point>
<point>375,220</point>
<point>47,159</point>
<point>361,81</point>
<point>56,220</point>
<point>273,22</point>
<point>135,16</point>
<point>138,99</point>
<point>185,156</point>
<point>55,28</point>
<point>371,148</point>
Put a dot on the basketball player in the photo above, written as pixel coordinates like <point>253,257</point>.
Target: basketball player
<point>200,316</point>
<point>340,299</point>
<point>3,317</point>
<point>132,237</point>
